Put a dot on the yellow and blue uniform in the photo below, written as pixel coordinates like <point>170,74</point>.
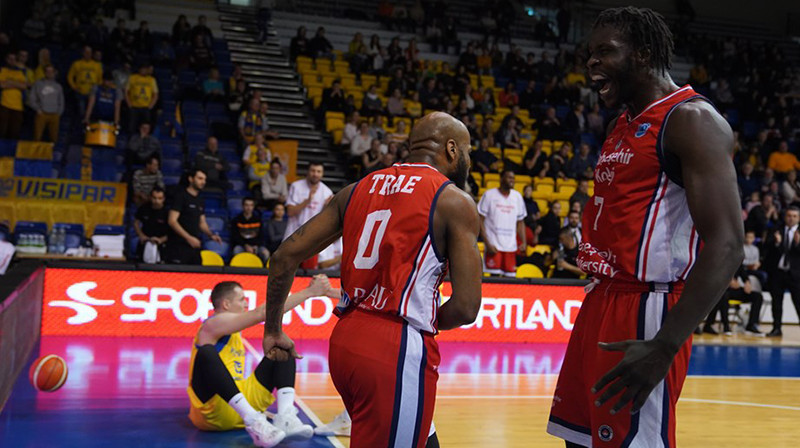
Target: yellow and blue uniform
<point>216,414</point>
<point>83,75</point>
<point>141,90</point>
<point>12,98</point>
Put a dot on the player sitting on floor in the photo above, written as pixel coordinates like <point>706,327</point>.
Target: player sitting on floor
<point>221,397</point>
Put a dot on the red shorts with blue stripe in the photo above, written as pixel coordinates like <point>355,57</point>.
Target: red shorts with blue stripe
<point>612,312</point>
<point>386,372</point>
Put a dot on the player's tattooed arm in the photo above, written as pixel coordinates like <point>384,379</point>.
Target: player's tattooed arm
<point>317,234</point>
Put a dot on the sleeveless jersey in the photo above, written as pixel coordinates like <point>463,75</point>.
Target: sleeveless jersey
<point>390,263</point>
<point>230,349</point>
<point>637,226</point>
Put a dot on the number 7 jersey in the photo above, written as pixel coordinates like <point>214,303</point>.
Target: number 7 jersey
<point>390,263</point>
<point>637,227</point>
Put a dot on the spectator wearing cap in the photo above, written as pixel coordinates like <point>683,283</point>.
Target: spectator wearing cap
<point>47,100</point>
<point>105,102</point>
<point>141,95</point>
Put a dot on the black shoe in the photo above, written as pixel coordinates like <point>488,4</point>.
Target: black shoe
<point>754,330</point>
<point>775,333</point>
<point>708,329</point>
<point>698,330</point>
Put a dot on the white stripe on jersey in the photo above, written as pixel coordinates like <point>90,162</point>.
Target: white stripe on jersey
<point>651,416</point>
<point>423,288</point>
<point>409,396</point>
<point>669,250</point>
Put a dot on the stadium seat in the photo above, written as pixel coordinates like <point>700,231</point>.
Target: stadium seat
<point>528,270</point>
<point>31,227</point>
<point>73,232</point>
<point>105,229</point>
<point>234,206</point>
<point>246,260</point>
<point>211,258</point>
<point>215,224</point>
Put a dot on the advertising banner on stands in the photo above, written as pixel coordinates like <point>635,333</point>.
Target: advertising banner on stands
<point>170,304</point>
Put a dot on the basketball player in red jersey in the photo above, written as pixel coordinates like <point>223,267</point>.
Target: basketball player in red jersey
<point>664,185</point>
<point>403,228</point>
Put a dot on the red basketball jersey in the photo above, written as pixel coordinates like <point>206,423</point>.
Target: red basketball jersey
<point>637,226</point>
<point>390,263</point>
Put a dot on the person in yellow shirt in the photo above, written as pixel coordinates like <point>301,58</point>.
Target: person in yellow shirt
<point>141,94</point>
<point>782,161</point>
<point>250,121</point>
<point>251,152</point>
<point>221,397</point>
<point>84,74</point>
<point>258,168</point>
<point>44,61</point>
<point>14,84</point>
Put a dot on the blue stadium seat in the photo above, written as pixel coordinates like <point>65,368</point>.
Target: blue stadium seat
<point>30,227</point>
<point>235,173</point>
<point>107,229</point>
<point>72,171</point>
<point>234,206</point>
<point>229,155</point>
<point>33,168</point>
<point>104,173</point>
<point>74,233</point>
<point>220,248</point>
<point>171,180</point>
<point>562,111</point>
<point>215,223</point>
<point>238,185</point>
<point>172,165</point>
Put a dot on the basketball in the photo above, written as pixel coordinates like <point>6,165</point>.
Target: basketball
<point>48,373</point>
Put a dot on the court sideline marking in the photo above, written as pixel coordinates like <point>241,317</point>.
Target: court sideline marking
<point>311,415</point>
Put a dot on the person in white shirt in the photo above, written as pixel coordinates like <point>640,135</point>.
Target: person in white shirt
<point>502,212</point>
<point>330,259</point>
<point>361,142</point>
<point>306,199</point>
<point>351,129</point>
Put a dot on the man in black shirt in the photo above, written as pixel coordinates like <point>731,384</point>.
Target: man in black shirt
<point>276,227</point>
<point>566,265</point>
<point>246,234</point>
<point>150,222</point>
<point>186,220</point>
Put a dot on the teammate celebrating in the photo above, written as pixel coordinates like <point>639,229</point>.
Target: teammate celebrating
<point>673,186</point>
<point>402,228</point>
<point>221,397</point>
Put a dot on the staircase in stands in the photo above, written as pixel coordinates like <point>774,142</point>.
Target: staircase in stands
<point>266,67</point>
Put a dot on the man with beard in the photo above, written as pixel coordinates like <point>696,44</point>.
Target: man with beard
<point>403,228</point>
<point>673,185</point>
<point>306,199</point>
<point>186,220</point>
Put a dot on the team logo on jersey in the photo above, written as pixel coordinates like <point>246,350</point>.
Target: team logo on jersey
<point>605,433</point>
<point>642,130</point>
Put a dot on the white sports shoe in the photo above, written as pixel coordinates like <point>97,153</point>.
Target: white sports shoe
<point>290,424</point>
<point>340,426</point>
<point>264,434</point>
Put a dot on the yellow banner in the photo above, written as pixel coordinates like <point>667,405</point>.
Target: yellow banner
<point>34,150</point>
<point>63,190</point>
<point>6,166</point>
<point>286,151</point>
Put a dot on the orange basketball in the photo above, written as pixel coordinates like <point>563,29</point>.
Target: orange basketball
<point>48,373</point>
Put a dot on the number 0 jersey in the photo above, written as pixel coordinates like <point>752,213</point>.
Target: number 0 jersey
<point>390,263</point>
<point>637,226</point>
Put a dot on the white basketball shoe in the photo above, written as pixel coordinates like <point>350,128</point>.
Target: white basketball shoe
<point>264,434</point>
<point>340,426</point>
<point>290,424</point>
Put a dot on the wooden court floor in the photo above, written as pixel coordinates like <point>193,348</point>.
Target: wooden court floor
<point>511,410</point>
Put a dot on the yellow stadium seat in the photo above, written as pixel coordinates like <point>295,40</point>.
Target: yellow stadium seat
<point>513,152</point>
<point>478,178</point>
<point>528,270</point>
<point>491,176</point>
<point>566,189</point>
<point>520,186</point>
<point>368,80</point>
<point>246,260</point>
<point>487,81</point>
<point>544,206</point>
<point>337,135</point>
<point>304,59</point>
<point>501,112</point>
<point>211,258</point>
<point>333,123</point>
<point>514,158</point>
<point>481,191</point>
<point>524,178</point>
<point>496,151</point>
<point>8,214</point>
<point>335,115</point>
<point>542,249</point>
<point>544,181</point>
<point>492,184</point>
<point>566,182</point>
<point>564,208</point>
<point>543,188</point>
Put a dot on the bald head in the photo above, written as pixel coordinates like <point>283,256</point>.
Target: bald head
<point>433,131</point>
<point>442,141</point>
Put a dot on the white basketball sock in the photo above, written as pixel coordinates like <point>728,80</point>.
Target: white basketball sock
<point>285,400</point>
<point>243,408</point>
